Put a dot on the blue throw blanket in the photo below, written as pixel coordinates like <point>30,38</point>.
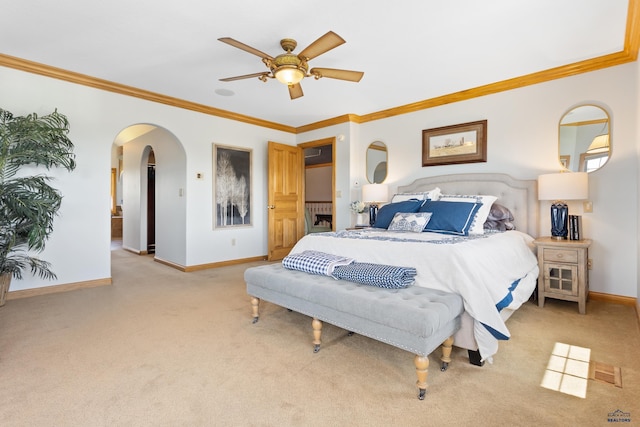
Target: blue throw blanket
<point>339,267</point>
<point>384,276</point>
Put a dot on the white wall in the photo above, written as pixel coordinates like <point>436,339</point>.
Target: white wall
<point>318,183</point>
<point>170,191</point>
<point>637,140</point>
<point>522,142</point>
<point>79,248</point>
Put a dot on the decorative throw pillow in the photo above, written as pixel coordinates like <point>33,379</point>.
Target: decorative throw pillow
<point>450,217</point>
<point>386,213</point>
<point>414,222</point>
<point>500,213</point>
<point>478,222</point>
<point>500,218</point>
<point>426,195</point>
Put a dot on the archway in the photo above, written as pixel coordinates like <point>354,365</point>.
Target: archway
<point>137,142</point>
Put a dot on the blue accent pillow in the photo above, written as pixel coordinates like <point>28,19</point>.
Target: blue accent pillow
<point>450,217</point>
<point>387,212</point>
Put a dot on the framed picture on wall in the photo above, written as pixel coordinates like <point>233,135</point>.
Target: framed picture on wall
<point>463,143</point>
<point>231,186</point>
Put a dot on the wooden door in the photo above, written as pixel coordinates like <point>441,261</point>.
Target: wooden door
<point>285,201</point>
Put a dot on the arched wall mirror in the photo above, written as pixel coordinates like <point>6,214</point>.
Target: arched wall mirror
<point>376,162</point>
<point>584,139</point>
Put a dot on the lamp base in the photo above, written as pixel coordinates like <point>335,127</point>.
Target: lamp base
<point>559,220</point>
<point>373,213</point>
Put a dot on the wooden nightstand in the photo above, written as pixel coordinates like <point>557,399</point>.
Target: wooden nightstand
<point>563,270</point>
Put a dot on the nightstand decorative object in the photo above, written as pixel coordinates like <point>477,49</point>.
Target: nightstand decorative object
<point>563,270</point>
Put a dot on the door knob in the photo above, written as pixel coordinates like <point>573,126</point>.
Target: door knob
<point>271,206</point>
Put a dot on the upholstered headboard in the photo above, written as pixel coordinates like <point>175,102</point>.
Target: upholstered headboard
<point>520,196</point>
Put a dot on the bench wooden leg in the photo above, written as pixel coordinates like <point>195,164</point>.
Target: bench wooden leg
<point>255,307</point>
<point>446,353</point>
<point>422,366</point>
<point>317,332</point>
<point>422,370</point>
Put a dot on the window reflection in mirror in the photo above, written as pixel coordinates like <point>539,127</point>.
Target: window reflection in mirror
<point>584,139</point>
<point>376,162</point>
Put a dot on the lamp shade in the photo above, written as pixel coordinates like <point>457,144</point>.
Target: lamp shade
<point>375,193</point>
<point>600,144</point>
<point>563,186</point>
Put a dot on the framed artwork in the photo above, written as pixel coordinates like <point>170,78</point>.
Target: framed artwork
<point>447,145</point>
<point>231,186</point>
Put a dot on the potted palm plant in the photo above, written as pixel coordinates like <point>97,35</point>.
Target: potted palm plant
<point>28,204</point>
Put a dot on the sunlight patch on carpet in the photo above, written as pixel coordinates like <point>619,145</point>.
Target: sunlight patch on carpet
<point>568,370</point>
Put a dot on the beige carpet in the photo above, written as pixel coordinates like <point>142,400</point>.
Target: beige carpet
<point>165,348</point>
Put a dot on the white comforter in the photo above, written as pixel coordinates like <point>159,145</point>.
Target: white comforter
<point>482,269</point>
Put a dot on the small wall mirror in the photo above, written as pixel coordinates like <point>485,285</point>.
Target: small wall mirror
<point>584,139</point>
<point>376,162</point>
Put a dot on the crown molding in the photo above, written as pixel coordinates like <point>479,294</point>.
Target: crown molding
<point>85,80</point>
<point>628,54</point>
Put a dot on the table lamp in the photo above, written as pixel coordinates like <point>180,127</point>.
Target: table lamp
<point>559,187</point>
<point>374,194</point>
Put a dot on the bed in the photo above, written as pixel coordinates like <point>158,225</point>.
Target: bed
<point>495,272</point>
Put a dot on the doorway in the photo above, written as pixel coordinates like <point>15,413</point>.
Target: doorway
<point>286,194</point>
<point>319,176</point>
<point>151,208</point>
<point>152,192</point>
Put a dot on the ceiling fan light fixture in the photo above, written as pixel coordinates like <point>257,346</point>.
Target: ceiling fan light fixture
<point>289,68</point>
<point>289,75</point>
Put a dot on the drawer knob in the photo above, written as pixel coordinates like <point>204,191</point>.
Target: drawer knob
<point>559,255</point>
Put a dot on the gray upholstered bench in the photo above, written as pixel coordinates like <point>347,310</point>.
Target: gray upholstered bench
<point>415,319</point>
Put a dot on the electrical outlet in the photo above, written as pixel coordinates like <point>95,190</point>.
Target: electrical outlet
<point>233,242</point>
<point>589,264</point>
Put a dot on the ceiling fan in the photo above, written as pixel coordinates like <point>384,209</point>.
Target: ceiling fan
<point>290,69</point>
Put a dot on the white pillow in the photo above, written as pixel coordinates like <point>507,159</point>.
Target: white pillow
<point>481,216</point>
<point>426,195</point>
<point>405,221</point>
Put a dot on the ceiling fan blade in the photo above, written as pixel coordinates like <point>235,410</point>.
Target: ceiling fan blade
<point>246,48</point>
<point>332,73</point>
<point>322,45</point>
<point>261,75</point>
<point>295,91</point>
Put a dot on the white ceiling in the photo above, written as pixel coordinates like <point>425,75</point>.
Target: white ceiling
<point>409,50</point>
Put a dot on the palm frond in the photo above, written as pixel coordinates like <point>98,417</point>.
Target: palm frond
<point>34,140</point>
<point>29,204</point>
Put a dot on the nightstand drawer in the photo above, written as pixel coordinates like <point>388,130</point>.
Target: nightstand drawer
<point>560,255</point>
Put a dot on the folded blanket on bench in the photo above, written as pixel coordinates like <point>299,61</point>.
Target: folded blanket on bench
<point>339,267</point>
<point>384,276</point>
<point>314,262</point>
